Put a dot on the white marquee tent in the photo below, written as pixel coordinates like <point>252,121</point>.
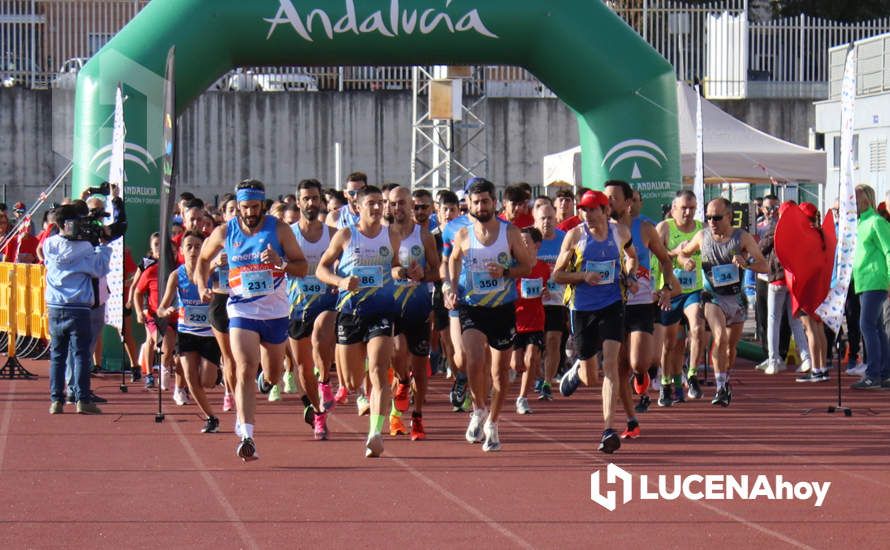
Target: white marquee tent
<point>733,151</point>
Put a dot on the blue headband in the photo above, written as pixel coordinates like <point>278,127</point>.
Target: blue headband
<point>242,195</point>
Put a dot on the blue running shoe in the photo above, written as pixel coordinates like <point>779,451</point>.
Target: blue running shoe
<point>570,380</point>
<point>262,385</point>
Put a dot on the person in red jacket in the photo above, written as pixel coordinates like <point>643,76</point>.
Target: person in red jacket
<point>529,343</point>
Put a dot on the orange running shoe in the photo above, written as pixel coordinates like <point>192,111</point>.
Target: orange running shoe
<point>417,431</point>
<point>342,396</point>
<point>396,427</point>
<point>632,431</point>
<point>641,382</point>
<point>401,399</point>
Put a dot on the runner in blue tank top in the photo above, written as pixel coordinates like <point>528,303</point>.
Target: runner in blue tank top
<point>312,318</point>
<point>261,250</point>
<point>591,262</point>
<point>347,215</point>
<point>484,261</point>
<point>366,304</point>
<point>195,345</point>
<point>419,269</point>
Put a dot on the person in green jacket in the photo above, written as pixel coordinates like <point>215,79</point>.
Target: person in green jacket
<point>871,276</point>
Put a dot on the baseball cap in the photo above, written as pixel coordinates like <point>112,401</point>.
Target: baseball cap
<point>592,199</point>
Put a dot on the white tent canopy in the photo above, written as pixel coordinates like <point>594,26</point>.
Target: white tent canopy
<point>733,151</point>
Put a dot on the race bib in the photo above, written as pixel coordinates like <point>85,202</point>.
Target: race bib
<point>531,288</point>
<point>197,316</point>
<point>687,279</point>
<point>222,276</point>
<point>311,286</point>
<point>725,275</point>
<point>369,276</point>
<point>256,283</point>
<point>557,291</point>
<point>606,270</point>
<point>484,283</point>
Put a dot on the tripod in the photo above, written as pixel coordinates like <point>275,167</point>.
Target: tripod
<point>839,407</point>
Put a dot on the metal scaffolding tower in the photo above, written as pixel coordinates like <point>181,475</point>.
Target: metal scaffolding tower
<point>438,160</point>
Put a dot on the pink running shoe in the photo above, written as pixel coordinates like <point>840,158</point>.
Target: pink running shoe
<point>228,402</point>
<point>342,396</point>
<point>320,426</point>
<point>327,396</point>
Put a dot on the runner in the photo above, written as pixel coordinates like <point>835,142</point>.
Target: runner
<point>725,251</point>
<point>347,215</point>
<point>261,250</point>
<point>495,256</point>
<point>555,311</point>
<point>681,227</point>
<point>419,268</point>
<point>198,351</point>
<point>529,343</point>
<point>366,305</point>
<point>313,315</point>
<point>219,318</point>
<point>641,306</point>
<point>447,210</point>
<point>591,262</point>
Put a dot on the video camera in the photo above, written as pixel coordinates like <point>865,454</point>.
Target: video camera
<point>79,223</point>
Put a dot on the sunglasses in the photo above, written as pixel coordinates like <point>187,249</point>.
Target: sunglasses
<point>352,192</point>
<point>420,207</point>
<point>714,218</point>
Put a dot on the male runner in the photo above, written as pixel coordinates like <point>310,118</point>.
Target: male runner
<point>725,252</point>
<point>261,250</point>
<point>591,262</point>
<point>347,215</point>
<point>485,259</point>
<point>366,305</point>
<point>419,265</point>
<point>312,318</point>
<point>447,210</point>
<point>555,311</point>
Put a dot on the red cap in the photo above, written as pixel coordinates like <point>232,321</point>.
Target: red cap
<point>809,209</point>
<point>592,199</point>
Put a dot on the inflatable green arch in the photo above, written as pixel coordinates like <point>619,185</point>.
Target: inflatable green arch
<point>622,90</point>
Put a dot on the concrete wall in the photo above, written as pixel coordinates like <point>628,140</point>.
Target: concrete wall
<point>282,138</point>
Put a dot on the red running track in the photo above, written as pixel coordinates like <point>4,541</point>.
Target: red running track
<point>120,480</point>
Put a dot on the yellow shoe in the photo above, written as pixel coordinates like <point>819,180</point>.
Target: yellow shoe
<point>396,427</point>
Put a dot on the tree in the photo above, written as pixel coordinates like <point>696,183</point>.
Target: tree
<point>838,10</point>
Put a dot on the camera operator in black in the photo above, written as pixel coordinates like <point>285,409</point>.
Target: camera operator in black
<point>72,262</point>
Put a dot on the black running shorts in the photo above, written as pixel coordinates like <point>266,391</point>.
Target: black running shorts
<point>219,317</point>
<point>355,329</point>
<point>639,318</point>
<point>591,328</point>
<point>525,339</point>
<point>417,334</point>
<point>498,324</point>
<point>205,346</point>
<point>556,318</point>
<point>301,327</point>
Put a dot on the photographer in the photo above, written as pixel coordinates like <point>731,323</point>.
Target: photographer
<point>72,262</point>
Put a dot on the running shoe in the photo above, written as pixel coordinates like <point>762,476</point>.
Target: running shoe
<point>290,382</point>
<point>679,394</point>
<point>400,398</point>
<point>570,380</point>
<point>643,405</point>
<point>247,449</point>
<point>309,414</point>
<point>762,365</point>
<point>474,429</point>
<point>641,382</point>
<point>275,393</point>
<point>458,391</point>
<point>632,431</point>
<point>546,393</point>
<point>723,396</point>
<point>180,397</point>
<point>492,442</point>
<point>467,405</point>
<point>610,442</point>
<point>866,384</point>
<point>320,426</point>
<point>857,370</point>
<point>694,388</point>
<point>522,406</point>
<point>327,396</point>
<point>149,381</point>
<point>363,405</point>
<point>664,396</point>
<point>342,396</point>
<point>805,366</point>
<point>135,375</point>
<point>262,385</point>
<point>813,377</point>
<point>417,431</point>
<point>228,402</point>
<point>211,425</point>
<point>539,385</point>
<point>374,446</point>
<point>774,366</point>
<point>396,427</point>
<point>57,407</point>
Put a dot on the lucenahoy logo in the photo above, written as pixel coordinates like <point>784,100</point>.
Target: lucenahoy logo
<point>104,156</point>
<point>635,149</point>
<point>397,21</point>
<point>702,487</point>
